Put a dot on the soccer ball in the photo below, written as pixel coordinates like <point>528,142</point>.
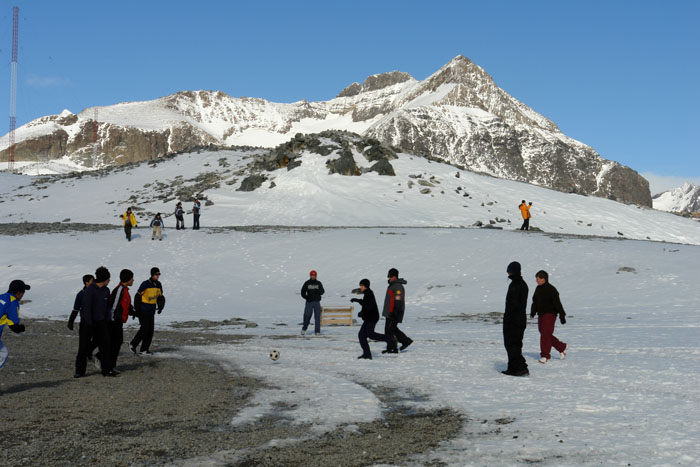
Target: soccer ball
<point>274,355</point>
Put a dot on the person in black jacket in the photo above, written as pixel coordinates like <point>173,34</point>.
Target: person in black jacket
<point>94,315</point>
<point>546,305</point>
<point>515,321</point>
<point>370,316</point>
<point>311,291</point>
<point>77,305</point>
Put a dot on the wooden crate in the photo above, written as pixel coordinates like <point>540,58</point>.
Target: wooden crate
<point>335,315</point>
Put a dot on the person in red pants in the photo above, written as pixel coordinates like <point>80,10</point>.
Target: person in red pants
<point>546,305</point>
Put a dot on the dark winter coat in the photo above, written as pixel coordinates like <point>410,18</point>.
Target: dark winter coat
<point>312,290</point>
<point>95,305</point>
<point>395,301</point>
<point>370,311</point>
<point>515,316</point>
<point>546,300</point>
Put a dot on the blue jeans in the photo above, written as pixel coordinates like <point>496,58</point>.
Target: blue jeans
<point>315,308</point>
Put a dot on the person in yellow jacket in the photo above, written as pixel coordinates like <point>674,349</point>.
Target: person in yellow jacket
<point>129,222</point>
<point>525,211</point>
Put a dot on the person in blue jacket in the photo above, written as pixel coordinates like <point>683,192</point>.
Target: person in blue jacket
<point>9,313</point>
<point>370,317</point>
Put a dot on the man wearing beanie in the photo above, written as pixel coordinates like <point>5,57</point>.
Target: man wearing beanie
<point>9,313</point>
<point>393,311</point>
<point>311,291</point>
<point>94,316</point>
<point>120,304</point>
<point>515,321</point>
<point>146,305</point>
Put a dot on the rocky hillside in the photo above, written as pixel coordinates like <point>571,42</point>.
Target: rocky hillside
<point>458,114</point>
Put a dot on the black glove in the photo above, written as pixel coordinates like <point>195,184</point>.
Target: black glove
<point>355,300</point>
<point>70,325</point>
<point>562,318</point>
<point>17,328</point>
<point>159,310</point>
<point>360,315</point>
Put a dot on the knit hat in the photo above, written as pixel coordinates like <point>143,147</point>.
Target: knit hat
<point>393,272</point>
<point>513,268</point>
<point>18,286</point>
<point>125,275</point>
<point>313,273</point>
<point>102,274</point>
<point>365,282</point>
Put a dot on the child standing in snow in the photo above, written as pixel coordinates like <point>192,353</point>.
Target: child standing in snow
<point>179,216</point>
<point>157,224</point>
<point>129,222</point>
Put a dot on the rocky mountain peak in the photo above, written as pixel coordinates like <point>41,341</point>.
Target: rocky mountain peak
<point>376,82</point>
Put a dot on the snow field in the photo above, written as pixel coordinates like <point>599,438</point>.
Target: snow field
<point>626,393</point>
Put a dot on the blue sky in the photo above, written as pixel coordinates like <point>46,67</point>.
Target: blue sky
<point>622,77</point>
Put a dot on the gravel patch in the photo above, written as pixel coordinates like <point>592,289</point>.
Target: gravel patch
<point>164,410</point>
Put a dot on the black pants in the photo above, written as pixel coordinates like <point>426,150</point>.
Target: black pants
<point>85,336</point>
<point>526,225</point>
<point>196,222</point>
<point>127,230</point>
<point>116,338</point>
<point>101,334</point>
<point>367,331</point>
<point>179,223</point>
<point>393,335</point>
<point>145,333</point>
<point>513,342</point>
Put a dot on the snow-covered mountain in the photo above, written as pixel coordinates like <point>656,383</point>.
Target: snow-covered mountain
<point>331,179</point>
<point>458,114</point>
<point>685,198</point>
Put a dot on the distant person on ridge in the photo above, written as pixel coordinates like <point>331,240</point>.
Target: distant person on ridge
<point>515,322</point>
<point>394,307</point>
<point>129,222</point>
<point>196,211</point>
<point>546,305</point>
<point>9,313</point>
<point>158,226</point>
<point>179,216</point>
<point>311,291</point>
<point>525,211</point>
<point>370,316</point>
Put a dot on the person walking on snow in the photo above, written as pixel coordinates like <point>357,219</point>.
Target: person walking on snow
<point>179,216</point>
<point>515,322</point>
<point>394,307</point>
<point>129,222</point>
<point>9,313</point>
<point>525,211</point>
<point>196,211</point>
<point>158,225</point>
<point>546,305</point>
<point>311,291</point>
<point>370,317</point>
<point>146,304</point>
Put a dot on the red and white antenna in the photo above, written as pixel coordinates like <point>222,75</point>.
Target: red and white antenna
<point>13,88</point>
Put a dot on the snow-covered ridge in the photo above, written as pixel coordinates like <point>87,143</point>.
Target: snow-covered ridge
<point>685,198</point>
<point>458,114</point>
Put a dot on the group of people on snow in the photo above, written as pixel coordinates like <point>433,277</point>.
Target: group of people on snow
<point>103,314</point>
<point>157,224</point>
<point>393,312</point>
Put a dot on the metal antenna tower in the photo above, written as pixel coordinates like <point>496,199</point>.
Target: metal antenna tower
<point>13,88</point>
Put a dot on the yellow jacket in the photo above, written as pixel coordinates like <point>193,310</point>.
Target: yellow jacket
<point>525,211</point>
<point>131,217</point>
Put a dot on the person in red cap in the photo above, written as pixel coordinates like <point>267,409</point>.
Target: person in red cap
<point>311,291</point>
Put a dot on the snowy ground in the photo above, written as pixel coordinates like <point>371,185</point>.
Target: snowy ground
<point>627,394</point>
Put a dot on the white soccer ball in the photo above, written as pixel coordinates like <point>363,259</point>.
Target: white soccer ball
<point>274,355</point>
